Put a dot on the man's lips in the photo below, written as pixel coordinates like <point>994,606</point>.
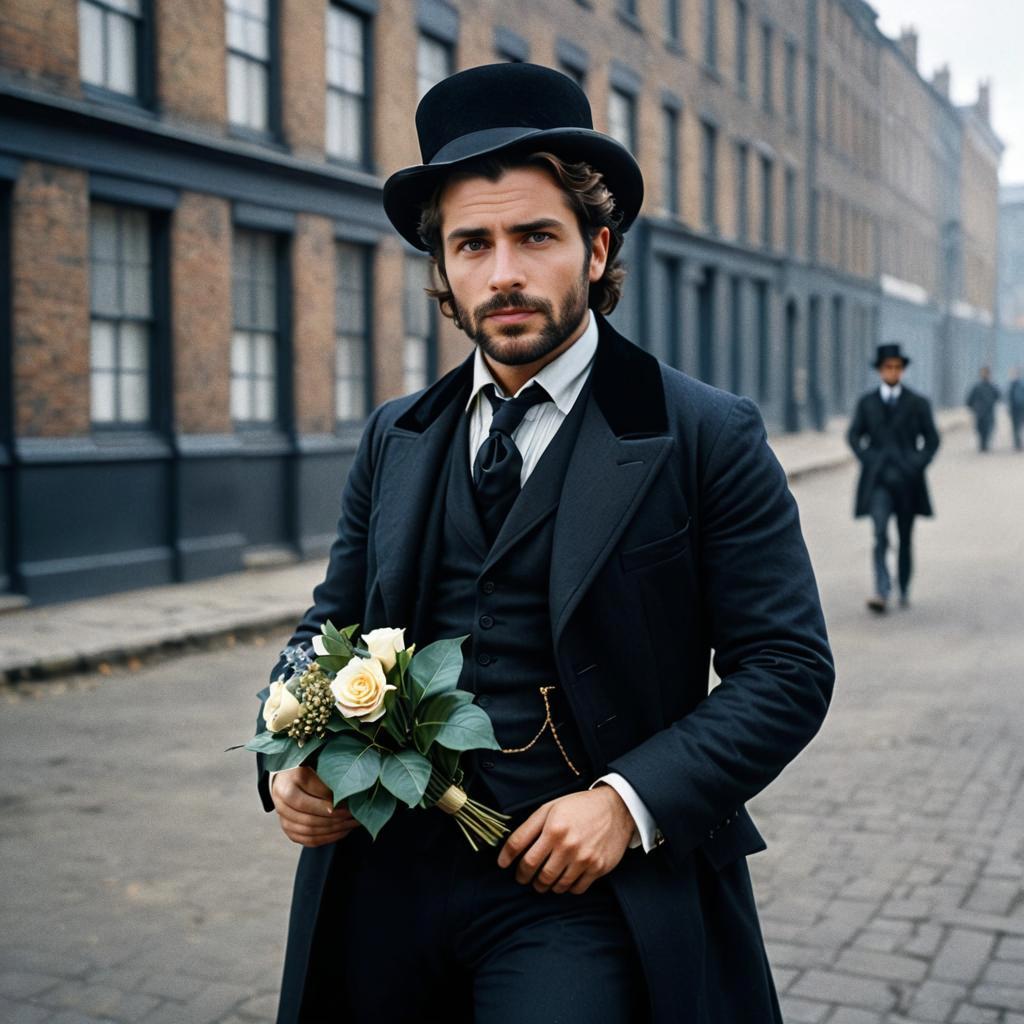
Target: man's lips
<point>511,316</point>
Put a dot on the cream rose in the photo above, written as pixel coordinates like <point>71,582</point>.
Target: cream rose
<point>359,689</point>
<point>384,644</point>
<point>281,708</point>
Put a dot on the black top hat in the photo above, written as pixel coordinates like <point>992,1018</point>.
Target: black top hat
<point>499,108</point>
<point>890,351</point>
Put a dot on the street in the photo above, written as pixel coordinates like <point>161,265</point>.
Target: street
<point>143,882</point>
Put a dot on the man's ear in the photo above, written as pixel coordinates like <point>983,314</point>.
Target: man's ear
<point>599,254</point>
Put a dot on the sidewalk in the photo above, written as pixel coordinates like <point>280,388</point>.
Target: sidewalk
<point>97,633</point>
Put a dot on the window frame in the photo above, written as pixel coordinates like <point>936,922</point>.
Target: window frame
<point>710,35</point>
<point>365,161</point>
<point>272,63</point>
<point>423,35</point>
<point>281,356</point>
<point>144,55</point>
<point>157,347</point>
<point>670,167</point>
<point>430,339</point>
<point>742,153</point>
<point>742,55</point>
<point>709,176</point>
<point>767,67</point>
<point>767,230</point>
<point>630,98</point>
<point>365,254</point>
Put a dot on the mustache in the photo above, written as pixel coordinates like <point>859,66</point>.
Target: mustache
<point>514,300</point>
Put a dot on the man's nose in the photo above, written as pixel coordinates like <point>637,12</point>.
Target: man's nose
<point>506,269</point>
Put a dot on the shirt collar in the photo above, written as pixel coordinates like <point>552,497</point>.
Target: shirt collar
<point>888,391</point>
<point>562,378</point>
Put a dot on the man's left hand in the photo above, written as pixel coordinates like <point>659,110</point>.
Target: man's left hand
<point>569,843</point>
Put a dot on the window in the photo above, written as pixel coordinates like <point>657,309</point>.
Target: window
<point>575,72</point>
<point>763,301</point>
<point>419,355</point>
<point>711,33</point>
<point>352,333</point>
<point>248,36</point>
<point>254,343</point>
<point>742,191</point>
<point>121,328</point>
<point>627,9</point>
<point>347,93</point>
<point>767,71</point>
<point>622,118</point>
<point>110,35</point>
<point>670,166</point>
<point>434,63</point>
<point>791,80</point>
<point>673,25</point>
<point>742,45</point>
<point>830,106</point>
<point>767,202</point>
<point>790,210</point>
<point>709,173</point>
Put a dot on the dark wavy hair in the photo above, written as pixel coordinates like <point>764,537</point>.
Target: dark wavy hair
<point>588,197</point>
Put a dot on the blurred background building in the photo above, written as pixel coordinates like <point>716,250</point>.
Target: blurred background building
<point>205,299</point>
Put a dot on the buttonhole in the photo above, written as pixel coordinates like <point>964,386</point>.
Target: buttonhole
<point>589,668</point>
<point>632,462</point>
<point>610,718</point>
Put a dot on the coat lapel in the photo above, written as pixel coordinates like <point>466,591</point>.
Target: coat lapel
<point>410,470</point>
<point>623,441</point>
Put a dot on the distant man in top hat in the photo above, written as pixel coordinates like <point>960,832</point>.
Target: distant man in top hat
<point>893,435</point>
<point>981,400</point>
<point>595,522</point>
<point>1015,403</point>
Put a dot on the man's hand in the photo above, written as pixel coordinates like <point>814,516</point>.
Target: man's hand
<point>569,843</point>
<point>306,811</point>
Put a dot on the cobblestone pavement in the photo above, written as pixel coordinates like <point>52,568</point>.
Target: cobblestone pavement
<point>142,881</point>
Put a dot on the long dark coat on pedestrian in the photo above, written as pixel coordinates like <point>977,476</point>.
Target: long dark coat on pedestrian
<point>894,445</point>
<point>676,534</point>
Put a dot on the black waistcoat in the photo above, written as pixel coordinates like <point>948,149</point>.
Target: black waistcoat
<point>498,596</point>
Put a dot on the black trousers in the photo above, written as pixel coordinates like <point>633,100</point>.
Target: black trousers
<point>445,935</point>
<point>887,502</point>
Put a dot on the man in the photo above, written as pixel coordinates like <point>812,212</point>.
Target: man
<point>593,521</point>
<point>893,435</point>
<point>981,400</point>
<point>1015,402</point>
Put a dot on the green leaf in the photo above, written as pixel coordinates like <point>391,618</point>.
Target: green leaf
<point>293,756</point>
<point>341,648</point>
<point>267,742</point>
<point>347,765</point>
<point>406,775</point>
<point>372,809</point>
<point>446,762</point>
<point>392,720</point>
<point>436,669</point>
<point>333,662</point>
<point>342,636</point>
<point>431,716</point>
<point>468,728</point>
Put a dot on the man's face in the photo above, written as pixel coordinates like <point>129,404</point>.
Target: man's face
<point>517,264</point>
<point>891,371</point>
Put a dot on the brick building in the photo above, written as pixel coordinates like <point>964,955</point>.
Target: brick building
<point>205,299</point>
<point>1011,278</point>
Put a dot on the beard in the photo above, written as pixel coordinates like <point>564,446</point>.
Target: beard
<point>501,342</point>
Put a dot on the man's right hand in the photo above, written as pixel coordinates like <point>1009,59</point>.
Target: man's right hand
<point>306,810</point>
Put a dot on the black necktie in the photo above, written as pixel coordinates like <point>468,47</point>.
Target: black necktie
<point>499,465</point>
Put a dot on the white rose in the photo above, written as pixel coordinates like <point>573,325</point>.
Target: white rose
<point>359,689</point>
<point>281,707</point>
<point>384,644</point>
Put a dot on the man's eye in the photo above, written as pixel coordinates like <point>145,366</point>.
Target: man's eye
<point>540,236</point>
<point>472,245</point>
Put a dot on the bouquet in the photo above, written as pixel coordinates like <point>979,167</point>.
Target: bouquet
<point>384,724</point>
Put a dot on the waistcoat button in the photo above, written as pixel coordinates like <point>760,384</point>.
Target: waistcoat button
<point>483,659</point>
<point>486,621</point>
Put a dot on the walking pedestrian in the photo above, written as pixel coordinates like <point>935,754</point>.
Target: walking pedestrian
<point>893,435</point>
<point>594,523</point>
<point>1015,403</point>
<point>981,400</point>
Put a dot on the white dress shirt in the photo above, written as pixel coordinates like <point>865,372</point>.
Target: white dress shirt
<point>563,379</point>
<point>890,391</point>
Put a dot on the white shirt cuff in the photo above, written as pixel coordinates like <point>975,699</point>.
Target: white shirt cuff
<point>646,833</point>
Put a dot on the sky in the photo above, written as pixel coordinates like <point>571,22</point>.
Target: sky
<point>978,39</point>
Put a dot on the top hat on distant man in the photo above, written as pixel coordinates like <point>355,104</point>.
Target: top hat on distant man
<point>890,351</point>
<point>506,108</point>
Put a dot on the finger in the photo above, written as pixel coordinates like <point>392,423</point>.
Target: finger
<point>584,882</point>
<point>523,837</point>
<point>313,824</point>
<point>298,828</point>
<point>551,870</point>
<point>570,877</point>
<point>309,781</point>
<point>533,860</point>
<point>299,800</point>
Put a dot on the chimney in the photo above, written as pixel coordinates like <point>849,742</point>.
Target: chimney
<point>908,44</point>
<point>983,106</point>
<point>941,80</point>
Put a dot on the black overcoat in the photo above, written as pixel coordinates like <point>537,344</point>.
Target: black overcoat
<point>676,534</point>
<point>895,445</point>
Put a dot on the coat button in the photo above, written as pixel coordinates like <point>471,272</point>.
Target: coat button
<point>483,659</point>
<point>486,621</point>
<point>487,586</point>
<point>483,701</point>
<point>487,765</point>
